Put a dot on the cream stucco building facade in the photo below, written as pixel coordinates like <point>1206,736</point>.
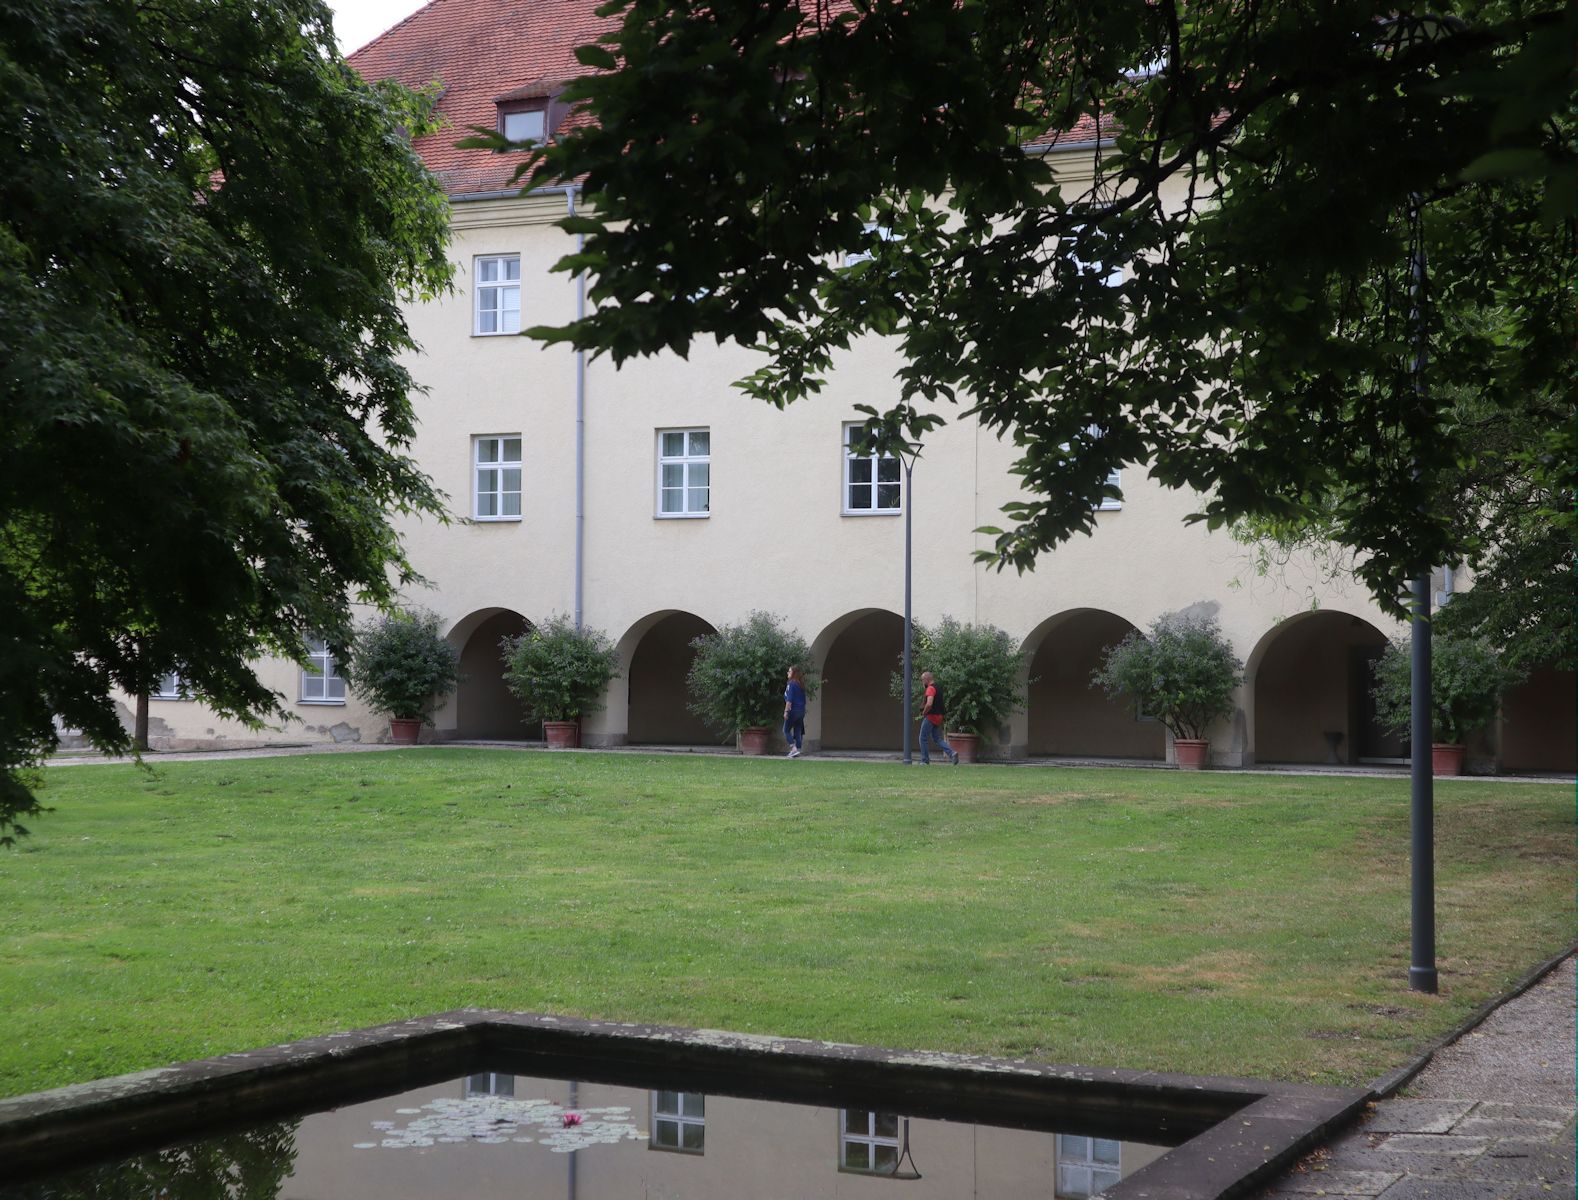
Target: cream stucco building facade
<point>765,511</point>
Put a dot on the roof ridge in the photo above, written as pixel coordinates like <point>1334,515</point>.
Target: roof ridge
<point>410,16</point>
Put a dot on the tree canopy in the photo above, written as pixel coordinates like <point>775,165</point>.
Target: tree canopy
<point>208,223</point>
<point>1259,171</point>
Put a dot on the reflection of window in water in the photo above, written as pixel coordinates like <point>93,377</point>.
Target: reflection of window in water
<point>869,1142</point>
<point>1085,1165</point>
<point>679,1122</point>
<point>489,1084</point>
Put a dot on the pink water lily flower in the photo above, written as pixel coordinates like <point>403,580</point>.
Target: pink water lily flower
<point>571,1119</point>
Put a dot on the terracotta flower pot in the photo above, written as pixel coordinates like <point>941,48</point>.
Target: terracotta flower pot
<point>1446,759</point>
<point>965,745</point>
<point>1192,753</point>
<point>562,735</point>
<point>405,731</point>
<point>753,741</point>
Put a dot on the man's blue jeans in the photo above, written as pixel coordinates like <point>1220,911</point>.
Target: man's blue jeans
<point>932,732</point>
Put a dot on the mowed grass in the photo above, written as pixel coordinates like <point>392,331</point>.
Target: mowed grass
<point>1221,923</point>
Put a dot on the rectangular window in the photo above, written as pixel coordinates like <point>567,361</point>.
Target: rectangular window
<point>169,687</point>
<point>868,1142</point>
<point>684,466</point>
<point>524,124</point>
<point>679,1122</point>
<point>498,294</point>
<point>1114,480</point>
<point>1094,263</point>
<point>873,483</point>
<point>873,233</point>
<point>490,1083</point>
<point>320,679</point>
<point>496,476</point>
<point>1085,1166</point>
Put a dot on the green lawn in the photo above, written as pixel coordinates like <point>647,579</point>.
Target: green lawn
<point>1240,924</point>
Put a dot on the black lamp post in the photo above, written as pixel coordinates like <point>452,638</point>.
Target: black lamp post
<point>1422,969</point>
<point>908,459</point>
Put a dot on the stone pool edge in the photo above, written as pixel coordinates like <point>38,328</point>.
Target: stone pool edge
<point>1249,1129</point>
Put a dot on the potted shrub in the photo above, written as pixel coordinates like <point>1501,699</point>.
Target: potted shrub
<point>1183,674</point>
<point>401,664</point>
<point>559,673</point>
<point>977,669</point>
<point>736,680</point>
<point>1467,678</point>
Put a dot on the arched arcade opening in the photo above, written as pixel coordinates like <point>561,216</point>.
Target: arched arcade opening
<point>859,654</point>
<point>1067,714</point>
<point>484,708</point>
<point>1539,723</point>
<point>1312,677</point>
<point>659,654</point>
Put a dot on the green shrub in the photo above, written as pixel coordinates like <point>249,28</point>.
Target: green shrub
<point>401,664</point>
<point>1467,678</point>
<point>1183,674</point>
<point>559,672</point>
<point>976,666</point>
<point>737,678</point>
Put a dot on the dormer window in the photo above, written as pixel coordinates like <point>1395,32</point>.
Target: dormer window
<point>524,122</point>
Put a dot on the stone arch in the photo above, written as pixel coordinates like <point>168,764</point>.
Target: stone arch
<point>1067,715</point>
<point>857,655</point>
<point>655,656</point>
<point>1310,677</point>
<point>483,707</point>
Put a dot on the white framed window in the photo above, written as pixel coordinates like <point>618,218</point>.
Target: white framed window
<point>524,124</point>
<point>320,678</point>
<point>496,477</point>
<point>873,483</point>
<point>489,1083</point>
<point>1114,478</point>
<point>169,687</point>
<point>868,1142</point>
<point>679,1122</point>
<point>1110,273</point>
<point>871,230</point>
<point>684,472</point>
<point>498,295</point>
<point>1085,1166</point>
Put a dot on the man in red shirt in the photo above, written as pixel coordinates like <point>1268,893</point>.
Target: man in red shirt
<point>932,717</point>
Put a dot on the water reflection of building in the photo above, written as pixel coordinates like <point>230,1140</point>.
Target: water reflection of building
<point>489,1137</point>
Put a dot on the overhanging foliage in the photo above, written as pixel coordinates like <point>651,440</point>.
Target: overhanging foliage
<point>207,227</point>
<point>1256,171</point>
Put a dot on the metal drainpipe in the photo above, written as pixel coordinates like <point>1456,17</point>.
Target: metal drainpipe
<point>580,423</point>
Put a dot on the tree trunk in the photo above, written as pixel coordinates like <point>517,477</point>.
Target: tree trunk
<point>140,728</point>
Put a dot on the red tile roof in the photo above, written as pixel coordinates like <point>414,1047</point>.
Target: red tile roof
<point>481,51</point>
<point>484,51</point>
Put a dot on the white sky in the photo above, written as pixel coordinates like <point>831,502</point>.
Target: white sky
<point>357,22</point>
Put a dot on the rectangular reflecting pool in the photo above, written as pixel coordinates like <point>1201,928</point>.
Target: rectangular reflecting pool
<point>493,1135</point>
<point>482,1105</point>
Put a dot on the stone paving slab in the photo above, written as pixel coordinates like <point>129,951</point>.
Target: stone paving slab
<point>1435,1143</point>
<point>1321,1182</point>
<point>1543,1191</point>
<point>1536,1130</point>
<point>1444,1189</point>
<point>1418,1116</point>
<point>1554,1114</point>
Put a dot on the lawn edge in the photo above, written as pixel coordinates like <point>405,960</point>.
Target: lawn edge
<point>1390,1083</point>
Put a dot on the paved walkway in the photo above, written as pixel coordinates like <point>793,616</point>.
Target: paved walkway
<point>78,757</point>
<point>1491,1117</point>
